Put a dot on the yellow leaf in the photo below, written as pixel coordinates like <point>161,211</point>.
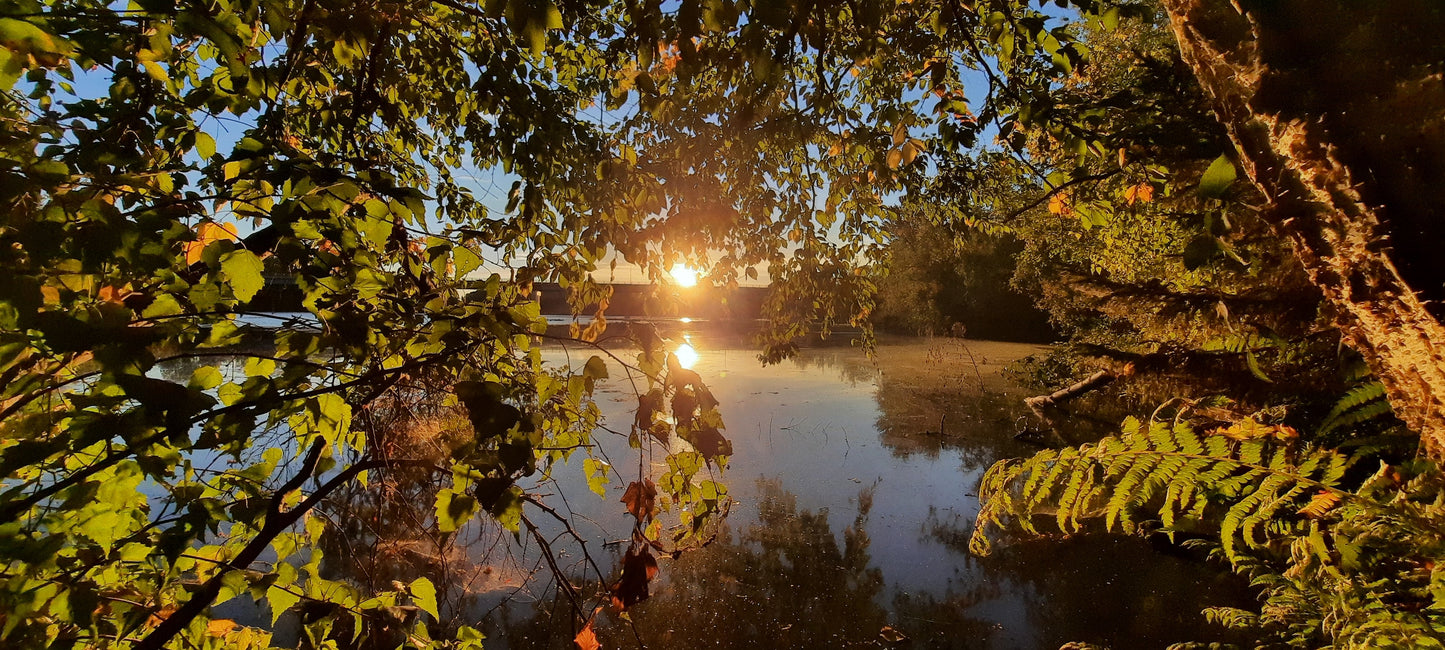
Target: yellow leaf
<point>1248,429</point>
<point>895,158</point>
<point>1243,430</point>
<point>207,233</point>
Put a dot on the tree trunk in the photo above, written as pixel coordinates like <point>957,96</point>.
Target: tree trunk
<point>1350,167</point>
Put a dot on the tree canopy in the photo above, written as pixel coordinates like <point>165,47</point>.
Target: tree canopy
<point>163,163</point>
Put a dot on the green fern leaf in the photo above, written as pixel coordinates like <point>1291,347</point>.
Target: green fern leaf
<point>1360,404</point>
<point>1258,488</point>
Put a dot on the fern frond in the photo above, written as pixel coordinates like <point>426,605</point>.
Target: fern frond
<point>1231,617</point>
<point>1167,471</point>
<point>1240,343</point>
<point>1360,404</point>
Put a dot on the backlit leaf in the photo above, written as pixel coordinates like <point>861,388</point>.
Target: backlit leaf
<point>424,594</point>
<point>1217,178</point>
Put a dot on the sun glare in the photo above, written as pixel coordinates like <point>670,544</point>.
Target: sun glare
<point>686,356</point>
<point>683,276</point>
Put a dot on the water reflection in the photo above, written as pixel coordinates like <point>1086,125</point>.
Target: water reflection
<point>854,477</point>
<point>686,355</point>
<point>916,424</point>
<point>785,581</point>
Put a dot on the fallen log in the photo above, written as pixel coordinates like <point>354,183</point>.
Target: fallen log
<point>1038,403</point>
<point>1093,382</point>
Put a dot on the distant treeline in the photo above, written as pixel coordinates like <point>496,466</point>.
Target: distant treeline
<point>936,282</point>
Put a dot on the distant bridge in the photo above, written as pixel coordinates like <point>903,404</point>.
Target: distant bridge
<point>281,294</point>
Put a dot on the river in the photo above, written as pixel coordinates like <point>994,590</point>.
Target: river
<point>853,479</point>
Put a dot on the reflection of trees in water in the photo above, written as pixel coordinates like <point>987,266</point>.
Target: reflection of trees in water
<point>946,396</point>
<point>1112,590</point>
<point>852,366</point>
<point>383,534</point>
<point>784,582</point>
<point>980,427</point>
<point>938,393</point>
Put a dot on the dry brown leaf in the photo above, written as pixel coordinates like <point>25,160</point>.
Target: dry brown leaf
<point>640,498</point>
<point>639,567</point>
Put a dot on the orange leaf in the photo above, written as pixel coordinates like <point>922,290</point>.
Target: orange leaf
<point>910,152</point>
<point>1320,504</point>
<point>587,639</point>
<point>1142,192</point>
<point>895,158</point>
<point>208,232</point>
<point>220,627</point>
<point>114,294</point>
<point>1059,204</point>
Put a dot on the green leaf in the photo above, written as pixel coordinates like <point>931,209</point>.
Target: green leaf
<point>454,509</point>
<point>206,378</point>
<point>205,145</point>
<point>1217,178</point>
<point>243,269</point>
<point>596,471</point>
<point>280,600</point>
<point>11,66</point>
<point>1254,368</point>
<point>424,594</point>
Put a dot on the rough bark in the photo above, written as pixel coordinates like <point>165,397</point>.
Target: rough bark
<point>1339,202</point>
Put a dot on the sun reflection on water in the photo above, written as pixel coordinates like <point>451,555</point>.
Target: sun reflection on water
<point>686,355</point>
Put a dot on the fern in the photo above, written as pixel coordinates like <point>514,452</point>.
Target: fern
<point>1171,472</point>
<point>1357,566</point>
<point>1247,345</point>
<point>1361,404</point>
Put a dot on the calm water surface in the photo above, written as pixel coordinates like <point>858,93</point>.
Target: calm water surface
<point>855,484</point>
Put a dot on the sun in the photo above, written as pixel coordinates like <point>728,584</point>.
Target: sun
<point>683,276</point>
